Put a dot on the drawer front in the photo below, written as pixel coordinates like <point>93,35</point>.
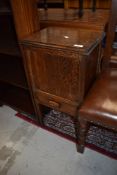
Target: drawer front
<point>56,103</point>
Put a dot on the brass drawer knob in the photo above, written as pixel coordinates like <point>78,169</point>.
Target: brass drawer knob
<point>54,104</point>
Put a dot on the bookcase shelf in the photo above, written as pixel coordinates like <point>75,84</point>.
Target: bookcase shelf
<point>17,98</point>
<point>14,89</point>
<point>12,71</point>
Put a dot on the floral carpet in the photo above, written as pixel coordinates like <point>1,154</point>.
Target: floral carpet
<point>99,139</point>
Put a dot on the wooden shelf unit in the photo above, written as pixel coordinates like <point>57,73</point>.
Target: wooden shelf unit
<point>12,71</point>
<point>17,98</point>
<point>8,39</point>
<point>14,89</point>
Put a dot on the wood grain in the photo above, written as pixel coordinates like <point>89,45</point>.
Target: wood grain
<point>25,16</point>
<point>62,64</point>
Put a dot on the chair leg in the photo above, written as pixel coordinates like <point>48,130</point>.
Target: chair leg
<point>82,130</point>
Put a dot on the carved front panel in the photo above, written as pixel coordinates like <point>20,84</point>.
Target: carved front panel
<point>54,71</point>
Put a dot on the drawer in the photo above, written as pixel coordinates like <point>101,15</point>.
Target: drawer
<point>57,103</point>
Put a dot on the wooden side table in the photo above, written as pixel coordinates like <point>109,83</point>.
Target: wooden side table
<point>61,64</point>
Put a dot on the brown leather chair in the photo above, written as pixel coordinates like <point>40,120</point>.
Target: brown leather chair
<point>100,106</point>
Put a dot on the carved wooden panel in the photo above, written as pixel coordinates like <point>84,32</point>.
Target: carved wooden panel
<point>55,72</point>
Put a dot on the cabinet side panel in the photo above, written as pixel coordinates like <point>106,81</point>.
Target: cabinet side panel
<point>91,69</point>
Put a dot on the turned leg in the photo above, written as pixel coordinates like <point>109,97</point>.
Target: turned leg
<point>81,8</point>
<point>39,113</point>
<point>82,130</point>
<point>76,124</point>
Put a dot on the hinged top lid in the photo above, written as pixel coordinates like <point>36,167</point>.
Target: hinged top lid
<point>81,40</point>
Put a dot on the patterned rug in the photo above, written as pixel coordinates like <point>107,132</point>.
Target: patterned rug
<point>98,138</point>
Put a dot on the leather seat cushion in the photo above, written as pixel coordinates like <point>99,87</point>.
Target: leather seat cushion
<point>100,105</point>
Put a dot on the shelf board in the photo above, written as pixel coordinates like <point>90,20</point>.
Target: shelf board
<point>8,39</point>
<point>9,49</point>
<point>12,71</point>
<point>5,11</point>
<point>17,98</point>
<point>8,43</point>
